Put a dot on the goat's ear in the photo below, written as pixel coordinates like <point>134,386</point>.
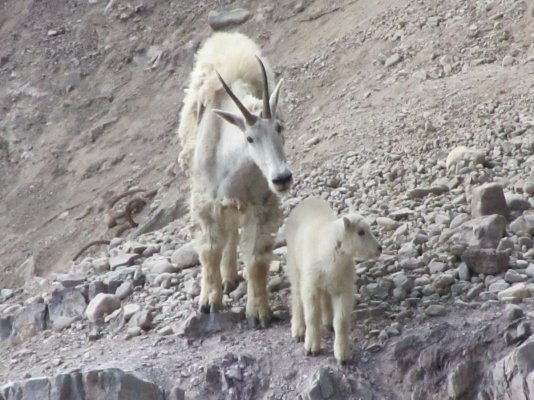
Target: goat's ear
<point>273,101</point>
<point>232,118</point>
<point>346,223</point>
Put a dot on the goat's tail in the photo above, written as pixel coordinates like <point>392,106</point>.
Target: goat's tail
<point>231,54</point>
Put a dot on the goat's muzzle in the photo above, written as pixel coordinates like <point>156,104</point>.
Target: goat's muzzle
<point>282,182</point>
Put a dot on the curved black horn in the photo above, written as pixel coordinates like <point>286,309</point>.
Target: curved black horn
<point>250,118</point>
<point>266,107</point>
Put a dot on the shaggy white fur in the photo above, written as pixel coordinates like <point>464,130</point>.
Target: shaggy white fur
<point>320,252</point>
<point>237,168</point>
<point>233,55</point>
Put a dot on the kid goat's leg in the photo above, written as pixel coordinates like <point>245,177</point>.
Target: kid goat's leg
<point>342,307</point>
<point>312,314</point>
<point>298,327</point>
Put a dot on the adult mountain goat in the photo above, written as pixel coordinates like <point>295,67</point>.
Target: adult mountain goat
<point>232,146</point>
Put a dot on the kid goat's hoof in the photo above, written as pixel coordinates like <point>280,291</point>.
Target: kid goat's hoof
<point>299,339</point>
<point>255,322</point>
<point>209,308</point>
<point>312,353</point>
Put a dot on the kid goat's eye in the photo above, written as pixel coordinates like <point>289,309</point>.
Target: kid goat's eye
<point>249,139</point>
<point>361,232</point>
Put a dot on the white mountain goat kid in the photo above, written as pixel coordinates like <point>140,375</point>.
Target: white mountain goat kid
<point>232,146</point>
<point>320,252</point>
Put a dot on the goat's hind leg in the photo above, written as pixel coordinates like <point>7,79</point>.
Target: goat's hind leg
<point>229,258</point>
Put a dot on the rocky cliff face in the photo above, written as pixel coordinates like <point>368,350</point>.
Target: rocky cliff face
<point>417,115</point>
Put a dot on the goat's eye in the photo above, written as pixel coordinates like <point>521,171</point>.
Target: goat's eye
<point>249,139</point>
<point>361,232</point>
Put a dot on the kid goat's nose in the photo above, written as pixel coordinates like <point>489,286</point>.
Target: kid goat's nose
<point>283,179</point>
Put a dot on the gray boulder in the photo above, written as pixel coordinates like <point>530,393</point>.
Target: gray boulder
<point>489,199</point>
<point>104,384</point>
<point>68,302</point>
<point>483,232</point>
<point>486,261</point>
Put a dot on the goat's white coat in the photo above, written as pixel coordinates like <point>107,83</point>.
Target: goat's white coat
<point>320,252</point>
<point>231,180</point>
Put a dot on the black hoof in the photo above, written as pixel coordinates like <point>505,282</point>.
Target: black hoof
<point>343,363</point>
<point>229,287</point>
<point>214,308</point>
<point>204,308</point>
<point>253,322</point>
<point>299,339</point>
<point>312,353</point>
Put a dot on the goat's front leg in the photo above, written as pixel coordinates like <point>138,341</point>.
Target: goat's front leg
<point>298,326</point>
<point>258,310</point>
<point>312,314</point>
<point>342,307</point>
<point>210,253</point>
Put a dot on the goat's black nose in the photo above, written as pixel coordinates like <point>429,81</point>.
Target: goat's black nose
<point>283,179</point>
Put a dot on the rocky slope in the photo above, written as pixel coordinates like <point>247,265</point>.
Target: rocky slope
<point>418,115</point>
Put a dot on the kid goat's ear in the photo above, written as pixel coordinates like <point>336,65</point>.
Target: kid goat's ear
<point>232,118</point>
<point>346,222</point>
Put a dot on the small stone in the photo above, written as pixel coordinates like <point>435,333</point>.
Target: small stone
<point>513,312</point>
<point>393,60</point>
<point>130,309</point>
<point>436,267</point>
<point>512,276</point>
<point>121,259</point>
<point>185,257</point>
<point>523,330</point>
<point>142,319</point>
<point>103,304</point>
<point>508,60</point>
<point>386,223</point>
<point>443,281</point>
<point>70,280</point>
<point>517,202</point>
<point>517,291</point>
<point>220,19</point>
<point>124,290</point>
<point>164,331</point>
<point>463,272</point>
<point>463,153</point>
<point>133,331</point>
<point>523,225</point>
<point>436,310</point>
<point>498,286</point>
<point>6,294</point>
<point>158,265</point>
